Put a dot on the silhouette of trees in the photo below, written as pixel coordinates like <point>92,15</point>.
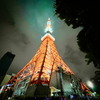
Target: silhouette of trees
<point>85,14</point>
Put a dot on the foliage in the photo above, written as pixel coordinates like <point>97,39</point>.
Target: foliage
<point>85,14</point>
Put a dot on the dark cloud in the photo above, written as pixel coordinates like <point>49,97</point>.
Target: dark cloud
<point>22,25</point>
<point>12,39</point>
<point>74,58</point>
<point>5,16</point>
<point>9,34</point>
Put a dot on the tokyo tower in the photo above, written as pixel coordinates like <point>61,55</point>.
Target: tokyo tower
<point>43,70</point>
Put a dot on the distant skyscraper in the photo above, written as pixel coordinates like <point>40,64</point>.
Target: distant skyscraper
<point>5,62</point>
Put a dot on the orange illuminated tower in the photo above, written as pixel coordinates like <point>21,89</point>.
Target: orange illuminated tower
<point>41,69</point>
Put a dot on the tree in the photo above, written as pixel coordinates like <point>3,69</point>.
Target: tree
<point>85,14</point>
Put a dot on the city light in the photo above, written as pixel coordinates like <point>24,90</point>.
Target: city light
<point>48,26</point>
<point>71,84</point>
<point>90,84</point>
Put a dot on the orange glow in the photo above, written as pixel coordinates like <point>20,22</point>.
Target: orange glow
<point>46,60</point>
<point>83,86</point>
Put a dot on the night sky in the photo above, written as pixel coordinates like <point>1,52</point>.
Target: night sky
<point>22,24</point>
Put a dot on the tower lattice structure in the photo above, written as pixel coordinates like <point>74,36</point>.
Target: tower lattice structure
<point>46,61</point>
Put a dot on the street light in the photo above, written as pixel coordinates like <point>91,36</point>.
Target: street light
<point>90,84</point>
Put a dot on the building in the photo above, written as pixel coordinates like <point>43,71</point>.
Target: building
<point>6,78</point>
<point>5,63</point>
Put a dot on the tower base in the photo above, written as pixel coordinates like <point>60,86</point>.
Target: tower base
<point>38,90</point>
